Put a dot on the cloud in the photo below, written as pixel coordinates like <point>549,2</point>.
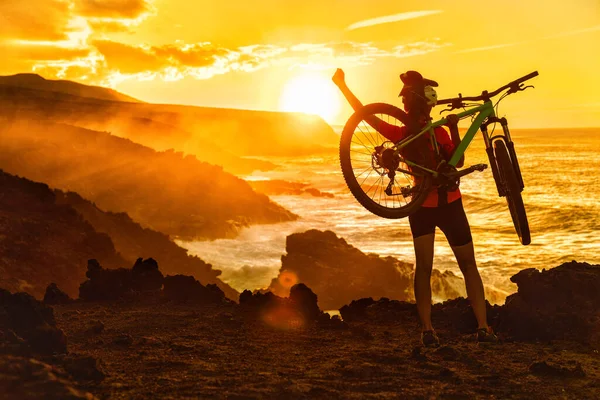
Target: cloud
<point>485,48</point>
<point>575,32</point>
<point>109,62</point>
<point>129,59</point>
<point>558,35</point>
<point>34,20</point>
<point>36,52</point>
<point>392,18</point>
<point>113,9</point>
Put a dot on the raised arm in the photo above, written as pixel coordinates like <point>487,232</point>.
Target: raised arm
<point>387,130</point>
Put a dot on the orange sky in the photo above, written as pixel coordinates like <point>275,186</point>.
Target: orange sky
<point>244,54</point>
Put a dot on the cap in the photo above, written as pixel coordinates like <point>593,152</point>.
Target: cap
<point>413,78</point>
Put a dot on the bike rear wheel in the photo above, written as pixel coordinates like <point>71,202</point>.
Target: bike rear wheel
<point>512,189</point>
<point>366,178</point>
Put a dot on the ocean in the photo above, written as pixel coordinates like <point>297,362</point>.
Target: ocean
<point>561,171</point>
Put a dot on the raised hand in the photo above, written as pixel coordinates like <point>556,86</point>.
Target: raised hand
<point>339,78</point>
<point>452,120</point>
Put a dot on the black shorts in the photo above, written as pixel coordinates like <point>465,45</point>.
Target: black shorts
<point>450,218</point>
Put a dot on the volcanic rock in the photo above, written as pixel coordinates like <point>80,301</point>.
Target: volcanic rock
<point>105,284</point>
<point>31,320</point>
<point>560,303</point>
<point>305,301</point>
<point>383,310</point>
<point>181,288</point>
<point>56,296</point>
<point>83,368</point>
<point>95,328</point>
<point>29,379</point>
<point>549,368</point>
<point>339,273</point>
<point>145,276</point>
<point>298,310</point>
<point>114,284</point>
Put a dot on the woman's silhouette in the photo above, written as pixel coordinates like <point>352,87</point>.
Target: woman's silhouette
<point>442,208</point>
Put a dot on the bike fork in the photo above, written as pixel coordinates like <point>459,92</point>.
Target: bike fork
<point>511,152</point>
<point>490,152</point>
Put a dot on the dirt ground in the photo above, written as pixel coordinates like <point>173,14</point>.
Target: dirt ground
<point>166,350</point>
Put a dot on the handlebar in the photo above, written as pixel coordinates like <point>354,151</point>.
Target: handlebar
<point>514,86</point>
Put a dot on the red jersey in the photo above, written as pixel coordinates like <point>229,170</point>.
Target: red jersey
<point>396,133</point>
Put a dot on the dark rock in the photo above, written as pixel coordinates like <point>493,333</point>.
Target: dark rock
<point>123,339</point>
<point>456,316</point>
<point>545,368</point>
<point>115,284</point>
<point>338,272</point>
<point>416,354</point>
<point>145,276</point>
<point>382,310</point>
<point>83,368</point>
<point>181,288</point>
<point>298,310</point>
<point>448,353</point>
<point>95,328</point>
<point>305,301</point>
<point>560,303</point>
<point>33,321</point>
<point>11,343</point>
<point>106,284</point>
<point>324,321</point>
<point>29,379</point>
<point>56,296</point>
<point>360,332</point>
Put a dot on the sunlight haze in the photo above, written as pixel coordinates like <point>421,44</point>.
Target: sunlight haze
<point>248,54</point>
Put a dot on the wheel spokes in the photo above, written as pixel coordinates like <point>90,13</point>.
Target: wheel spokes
<point>372,176</point>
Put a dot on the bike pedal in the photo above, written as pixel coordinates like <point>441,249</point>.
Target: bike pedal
<point>479,167</point>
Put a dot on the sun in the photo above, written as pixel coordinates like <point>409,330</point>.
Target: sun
<point>311,93</point>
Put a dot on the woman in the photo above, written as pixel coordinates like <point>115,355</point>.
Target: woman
<point>442,208</point>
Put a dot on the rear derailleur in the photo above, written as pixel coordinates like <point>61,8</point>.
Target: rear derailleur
<point>387,161</point>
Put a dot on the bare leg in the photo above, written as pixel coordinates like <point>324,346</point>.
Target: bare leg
<point>465,256</point>
<point>423,266</point>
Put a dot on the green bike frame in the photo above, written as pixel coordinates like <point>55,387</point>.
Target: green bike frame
<point>485,116</point>
<point>485,110</point>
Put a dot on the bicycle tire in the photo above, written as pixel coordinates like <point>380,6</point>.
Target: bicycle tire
<point>356,188</point>
<point>512,189</point>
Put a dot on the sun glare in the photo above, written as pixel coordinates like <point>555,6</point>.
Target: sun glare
<point>311,94</point>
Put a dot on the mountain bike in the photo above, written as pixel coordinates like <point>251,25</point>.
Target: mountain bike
<point>392,182</point>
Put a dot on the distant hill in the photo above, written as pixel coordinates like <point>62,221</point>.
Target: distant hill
<point>133,241</point>
<point>193,130</point>
<point>48,235</point>
<point>42,241</point>
<point>34,81</point>
<point>166,191</point>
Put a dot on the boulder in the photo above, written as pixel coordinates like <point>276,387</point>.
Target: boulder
<point>560,303</point>
<point>114,284</point>
<point>105,284</point>
<point>182,288</point>
<point>298,310</point>
<point>32,321</point>
<point>56,296</point>
<point>145,276</point>
<point>29,379</point>
<point>339,272</point>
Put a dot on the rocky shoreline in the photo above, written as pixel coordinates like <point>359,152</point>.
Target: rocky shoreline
<point>160,337</point>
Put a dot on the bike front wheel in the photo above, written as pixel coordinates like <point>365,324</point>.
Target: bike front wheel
<point>366,170</point>
<point>512,189</point>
